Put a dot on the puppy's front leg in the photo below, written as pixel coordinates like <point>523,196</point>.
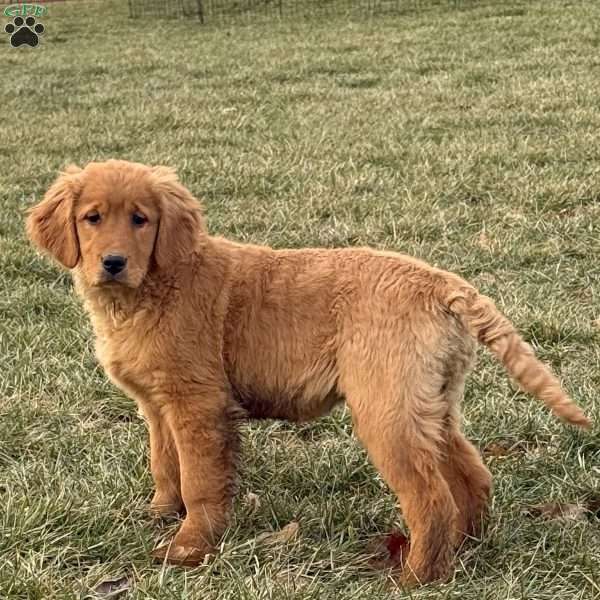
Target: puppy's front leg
<point>207,445</point>
<point>164,465</point>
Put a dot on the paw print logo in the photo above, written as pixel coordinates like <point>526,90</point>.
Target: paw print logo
<point>24,31</point>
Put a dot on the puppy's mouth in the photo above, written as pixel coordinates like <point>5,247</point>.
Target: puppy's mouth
<point>112,280</point>
<point>123,280</point>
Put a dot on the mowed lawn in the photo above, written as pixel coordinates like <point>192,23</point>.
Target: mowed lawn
<point>467,135</point>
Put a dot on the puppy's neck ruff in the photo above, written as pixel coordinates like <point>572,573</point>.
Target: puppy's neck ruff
<point>117,305</point>
<point>113,304</point>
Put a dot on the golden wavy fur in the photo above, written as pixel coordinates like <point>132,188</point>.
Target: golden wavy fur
<point>202,331</point>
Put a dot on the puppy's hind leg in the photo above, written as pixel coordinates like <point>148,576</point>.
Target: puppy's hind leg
<point>400,426</point>
<point>469,479</point>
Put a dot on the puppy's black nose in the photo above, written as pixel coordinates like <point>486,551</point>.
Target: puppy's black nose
<point>113,263</point>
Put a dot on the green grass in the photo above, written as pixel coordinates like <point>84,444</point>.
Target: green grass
<point>466,136</point>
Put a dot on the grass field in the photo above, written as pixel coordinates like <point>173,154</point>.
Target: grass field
<point>465,136</point>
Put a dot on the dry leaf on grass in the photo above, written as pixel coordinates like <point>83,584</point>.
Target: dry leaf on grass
<point>252,502</point>
<point>563,511</point>
<point>112,588</point>
<point>284,535</point>
<point>389,550</point>
<point>504,448</point>
<point>593,504</point>
<point>484,241</point>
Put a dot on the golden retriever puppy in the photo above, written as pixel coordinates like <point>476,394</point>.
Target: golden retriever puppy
<point>201,331</point>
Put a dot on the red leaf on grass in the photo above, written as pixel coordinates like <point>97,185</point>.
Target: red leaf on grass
<point>389,550</point>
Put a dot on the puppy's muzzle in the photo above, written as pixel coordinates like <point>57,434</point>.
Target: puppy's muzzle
<point>114,263</point>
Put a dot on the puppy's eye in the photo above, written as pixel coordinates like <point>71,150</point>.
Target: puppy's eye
<point>93,218</point>
<point>138,219</point>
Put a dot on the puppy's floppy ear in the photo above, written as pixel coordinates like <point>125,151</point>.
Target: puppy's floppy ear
<point>51,224</point>
<point>181,224</point>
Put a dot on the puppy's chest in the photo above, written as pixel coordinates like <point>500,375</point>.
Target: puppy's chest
<point>130,361</point>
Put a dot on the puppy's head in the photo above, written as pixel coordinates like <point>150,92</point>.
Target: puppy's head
<point>116,221</point>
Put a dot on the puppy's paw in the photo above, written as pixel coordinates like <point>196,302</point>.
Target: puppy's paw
<point>163,507</point>
<point>183,556</point>
<point>407,578</point>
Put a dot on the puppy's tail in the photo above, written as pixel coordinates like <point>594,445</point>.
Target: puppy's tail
<point>492,329</point>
